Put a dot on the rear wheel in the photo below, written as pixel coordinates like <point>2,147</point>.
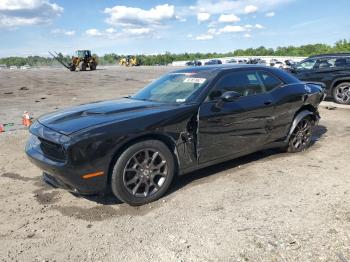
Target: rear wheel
<point>143,172</point>
<point>92,66</point>
<point>341,93</point>
<point>300,139</point>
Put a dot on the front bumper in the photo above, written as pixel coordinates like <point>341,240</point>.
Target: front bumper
<point>63,173</point>
<point>51,180</point>
<point>65,176</point>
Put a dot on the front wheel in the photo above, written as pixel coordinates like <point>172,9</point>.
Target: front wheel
<point>143,172</point>
<point>72,67</point>
<point>82,66</point>
<point>341,93</point>
<point>300,139</point>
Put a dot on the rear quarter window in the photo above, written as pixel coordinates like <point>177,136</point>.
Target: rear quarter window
<point>270,81</point>
<point>342,62</point>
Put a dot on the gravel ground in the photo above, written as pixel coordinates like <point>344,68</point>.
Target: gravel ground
<point>268,206</point>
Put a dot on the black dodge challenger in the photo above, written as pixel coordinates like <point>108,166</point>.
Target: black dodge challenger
<point>185,120</point>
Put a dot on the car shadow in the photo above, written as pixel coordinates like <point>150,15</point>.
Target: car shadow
<point>106,198</point>
<point>190,178</point>
<point>182,181</point>
<point>318,132</point>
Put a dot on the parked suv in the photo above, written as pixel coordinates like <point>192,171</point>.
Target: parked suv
<point>333,70</point>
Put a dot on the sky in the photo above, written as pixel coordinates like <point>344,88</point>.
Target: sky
<point>32,27</point>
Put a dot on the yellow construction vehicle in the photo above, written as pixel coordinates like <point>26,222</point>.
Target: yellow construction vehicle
<point>82,60</point>
<point>129,61</point>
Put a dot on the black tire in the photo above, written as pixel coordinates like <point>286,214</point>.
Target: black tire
<point>72,67</point>
<point>129,173</point>
<point>92,66</point>
<point>82,66</point>
<point>341,93</point>
<point>300,138</point>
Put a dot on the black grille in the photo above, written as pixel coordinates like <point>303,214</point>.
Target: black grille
<point>52,150</point>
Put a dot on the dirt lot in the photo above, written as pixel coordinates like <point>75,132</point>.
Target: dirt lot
<point>268,206</point>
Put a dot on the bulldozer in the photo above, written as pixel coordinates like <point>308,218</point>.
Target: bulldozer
<point>82,60</point>
<point>129,61</point>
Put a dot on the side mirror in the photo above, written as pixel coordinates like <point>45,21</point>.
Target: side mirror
<point>230,96</point>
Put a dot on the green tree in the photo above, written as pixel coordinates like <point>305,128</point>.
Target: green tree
<point>167,58</point>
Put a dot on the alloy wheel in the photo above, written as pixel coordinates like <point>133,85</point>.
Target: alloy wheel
<point>301,136</point>
<point>342,94</point>
<point>145,173</point>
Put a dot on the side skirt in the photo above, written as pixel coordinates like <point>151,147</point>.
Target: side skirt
<point>231,157</point>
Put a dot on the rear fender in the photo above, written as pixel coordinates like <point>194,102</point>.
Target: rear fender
<point>299,117</point>
<point>339,79</point>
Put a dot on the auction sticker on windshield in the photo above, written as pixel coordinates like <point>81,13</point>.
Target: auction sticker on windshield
<point>194,80</point>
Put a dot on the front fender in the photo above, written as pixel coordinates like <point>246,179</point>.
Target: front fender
<point>299,117</point>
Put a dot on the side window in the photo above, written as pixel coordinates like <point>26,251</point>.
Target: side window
<point>270,82</point>
<point>325,63</point>
<point>243,82</point>
<point>342,62</point>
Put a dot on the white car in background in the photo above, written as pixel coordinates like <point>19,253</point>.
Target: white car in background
<point>25,67</point>
<point>231,61</point>
<point>262,62</point>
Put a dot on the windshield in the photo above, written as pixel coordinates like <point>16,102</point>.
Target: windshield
<point>172,88</point>
<point>82,53</point>
<point>307,64</point>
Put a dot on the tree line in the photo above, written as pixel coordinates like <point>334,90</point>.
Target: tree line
<point>167,58</point>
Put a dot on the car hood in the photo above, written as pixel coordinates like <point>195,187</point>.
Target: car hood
<point>70,120</point>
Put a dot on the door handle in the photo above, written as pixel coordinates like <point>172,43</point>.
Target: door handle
<point>268,102</point>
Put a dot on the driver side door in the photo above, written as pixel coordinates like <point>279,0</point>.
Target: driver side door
<point>233,128</point>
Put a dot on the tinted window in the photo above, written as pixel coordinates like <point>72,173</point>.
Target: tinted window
<point>245,83</point>
<point>327,62</point>
<point>324,63</point>
<point>342,62</point>
<point>270,82</point>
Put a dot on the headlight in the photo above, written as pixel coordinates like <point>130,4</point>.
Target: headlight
<point>47,133</point>
<point>32,142</point>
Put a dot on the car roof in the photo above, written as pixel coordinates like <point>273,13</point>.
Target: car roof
<point>213,70</point>
<point>330,54</point>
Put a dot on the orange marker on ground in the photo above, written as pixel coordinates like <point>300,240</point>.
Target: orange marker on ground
<point>26,119</point>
